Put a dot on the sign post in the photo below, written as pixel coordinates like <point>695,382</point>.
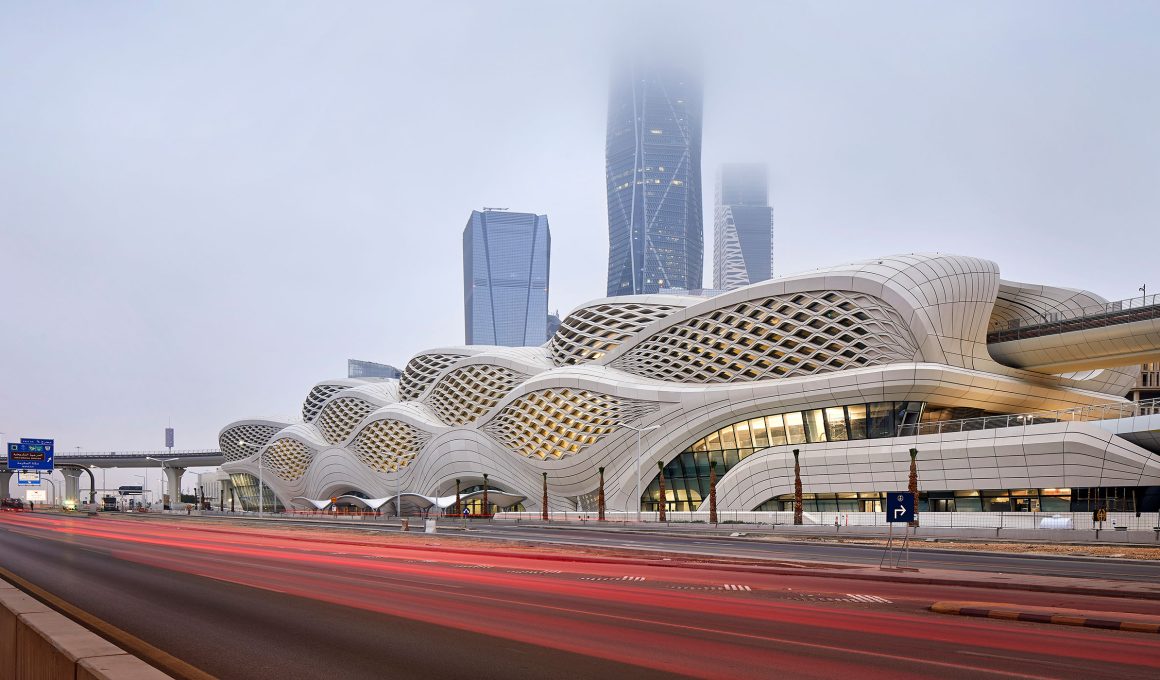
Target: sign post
<point>900,507</point>
<point>31,454</point>
<point>28,479</point>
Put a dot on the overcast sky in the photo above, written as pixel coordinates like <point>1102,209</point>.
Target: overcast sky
<point>207,207</point>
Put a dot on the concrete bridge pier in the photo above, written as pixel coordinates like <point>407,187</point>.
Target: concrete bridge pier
<point>72,484</point>
<point>173,479</point>
<point>5,482</point>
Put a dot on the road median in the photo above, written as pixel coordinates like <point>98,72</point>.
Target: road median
<point>1136,623</point>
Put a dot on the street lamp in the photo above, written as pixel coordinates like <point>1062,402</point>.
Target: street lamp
<point>639,431</point>
<point>162,462</point>
<point>144,483</point>
<point>261,490</point>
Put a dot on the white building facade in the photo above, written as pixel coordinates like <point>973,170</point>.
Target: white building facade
<point>852,366</point>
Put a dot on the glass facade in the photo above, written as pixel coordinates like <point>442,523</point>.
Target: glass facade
<point>743,226</point>
<point>246,489</point>
<point>1113,499</point>
<point>687,475</point>
<point>369,369</point>
<point>505,278</point>
<point>653,175</point>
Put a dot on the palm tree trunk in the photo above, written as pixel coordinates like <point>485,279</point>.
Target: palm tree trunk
<point>912,487</point>
<point>713,492</point>
<point>544,513</point>
<point>661,500</point>
<point>600,498</point>
<point>797,488</point>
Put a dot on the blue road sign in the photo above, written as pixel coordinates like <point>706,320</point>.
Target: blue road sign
<point>31,454</point>
<point>28,479</point>
<point>899,506</point>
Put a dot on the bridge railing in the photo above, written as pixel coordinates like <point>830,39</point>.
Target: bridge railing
<point>1145,407</point>
<point>1052,322</point>
<point>191,453</point>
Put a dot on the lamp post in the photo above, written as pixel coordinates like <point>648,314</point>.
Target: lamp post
<point>261,491</point>
<point>144,483</point>
<point>162,462</point>
<point>639,431</point>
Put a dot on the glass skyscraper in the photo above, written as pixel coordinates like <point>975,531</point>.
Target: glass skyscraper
<point>742,226</point>
<point>505,278</point>
<point>653,172</point>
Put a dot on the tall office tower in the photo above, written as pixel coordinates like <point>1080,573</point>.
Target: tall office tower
<point>653,171</point>
<point>356,368</point>
<point>742,226</point>
<point>505,278</point>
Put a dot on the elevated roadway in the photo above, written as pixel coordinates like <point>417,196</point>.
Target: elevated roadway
<point>1116,334</point>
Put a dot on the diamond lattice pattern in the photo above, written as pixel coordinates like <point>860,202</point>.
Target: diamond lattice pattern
<point>341,416</point>
<point>316,399</point>
<point>288,459</point>
<point>388,445</point>
<point>775,337</point>
<point>465,394</point>
<point>255,437</point>
<point>590,333</point>
<point>421,372</point>
<point>562,422</point>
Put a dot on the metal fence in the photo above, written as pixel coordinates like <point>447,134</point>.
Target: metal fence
<point>1148,521</point>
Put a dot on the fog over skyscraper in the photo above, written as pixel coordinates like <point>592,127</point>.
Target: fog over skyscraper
<point>742,226</point>
<point>653,174</point>
<point>505,278</point>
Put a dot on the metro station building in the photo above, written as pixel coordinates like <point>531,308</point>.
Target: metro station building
<point>1012,394</point>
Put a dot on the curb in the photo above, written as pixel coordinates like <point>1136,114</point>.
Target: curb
<point>133,645</point>
<point>1011,613</point>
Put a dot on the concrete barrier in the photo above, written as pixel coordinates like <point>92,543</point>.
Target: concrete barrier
<point>37,643</point>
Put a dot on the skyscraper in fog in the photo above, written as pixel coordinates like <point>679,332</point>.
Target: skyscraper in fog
<point>505,278</point>
<point>742,226</point>
<point>653,173</point>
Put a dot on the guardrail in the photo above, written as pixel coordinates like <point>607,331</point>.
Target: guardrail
<point>194,453</point>
<point>1145,407</point>
<point>1054,322</point>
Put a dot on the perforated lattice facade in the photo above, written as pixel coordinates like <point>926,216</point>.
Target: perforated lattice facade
<point>288,459</point>
<point>341,416</point>
<point>388,445</point>
<point>775,337</point>
<point>254,436</point>
<point>421,372</point>
<point>590,333</point>
<point>465,394</point>
<point>561,422</point>
<point>316,399</point>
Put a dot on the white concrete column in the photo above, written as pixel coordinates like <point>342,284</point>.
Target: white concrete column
<point>72,485</point>
<point>5,482</point>
<point>173,479</point>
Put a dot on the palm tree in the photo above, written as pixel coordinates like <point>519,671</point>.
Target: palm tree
<point>797,488</point>
<point>713,492</point>
<point>544,512</point>
<point>661,499</point>
<point>912,487</point>
<point>486,511</point>
<point>600,498</point>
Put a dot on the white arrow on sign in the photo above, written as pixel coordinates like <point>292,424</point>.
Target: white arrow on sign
<point>899,512</point>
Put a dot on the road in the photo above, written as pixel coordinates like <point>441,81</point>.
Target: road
<point>827,551</point>
<point>279,602</point>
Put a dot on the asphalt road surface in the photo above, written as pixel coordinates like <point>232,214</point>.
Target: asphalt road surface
<point>826,551</point>
<point>277,602</point>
